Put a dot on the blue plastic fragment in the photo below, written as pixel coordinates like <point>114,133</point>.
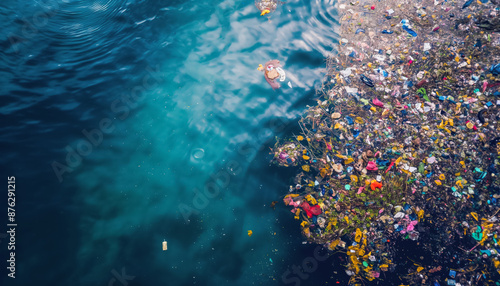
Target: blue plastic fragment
<point>492,168</point>
<point>382,162</point>
<point>489,103</point>
<point>467,4</point>
<point>495,69</point>
<point>349,120</point>
<point>442,98</point>
<point>352,54</point>
<point>487,252</point>
<point>453,273</point>
<point>387,32</point>
<point>478,43</point>
<point>410,83</point>
<point>360,31</point>
<point>410,31</point>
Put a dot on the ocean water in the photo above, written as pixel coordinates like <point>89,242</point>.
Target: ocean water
<point>127,123</point>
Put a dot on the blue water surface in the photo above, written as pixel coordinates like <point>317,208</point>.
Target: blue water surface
<point>127,123</point>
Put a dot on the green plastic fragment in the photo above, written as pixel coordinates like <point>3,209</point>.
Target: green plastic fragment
<point>421,168</point>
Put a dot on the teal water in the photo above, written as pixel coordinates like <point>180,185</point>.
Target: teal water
<point>201,125</point>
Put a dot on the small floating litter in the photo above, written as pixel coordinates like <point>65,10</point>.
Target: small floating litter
<point>164,245</point>
<point>282,74</point>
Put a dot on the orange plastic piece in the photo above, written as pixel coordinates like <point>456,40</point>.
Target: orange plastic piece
<point>374,184</point>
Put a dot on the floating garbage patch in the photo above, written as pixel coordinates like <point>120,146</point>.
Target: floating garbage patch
<point>404,143</point>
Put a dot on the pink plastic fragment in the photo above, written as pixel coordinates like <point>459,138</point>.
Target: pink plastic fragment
<point>377,102</point>
<point>372,166</point>
<point>360,190</point>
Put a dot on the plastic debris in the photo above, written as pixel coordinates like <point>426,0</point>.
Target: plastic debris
<point>404,144</point>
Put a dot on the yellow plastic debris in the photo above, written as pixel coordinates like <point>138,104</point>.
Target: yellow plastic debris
<point>323,172</point>
<point>303,223</point>
<point>359,120</point>
<point>348,161</point>
<point>420,214</point>
<point>438,182</point>
<point>306,168</point>
<point>305,157</point>
<point>358,236</point>
<point>346,219</point>
<point>250,233</point>
<point>311,199</point>
<point>354,178</point>
<point>420,269</point>
<point>265,12</point>
<point>300,138</point>
<point>442,177</point>
<point>474,215</point>
<point>341,156</point>
<point>334,244</point>
<point>337,126</point>
<point>470,125</point>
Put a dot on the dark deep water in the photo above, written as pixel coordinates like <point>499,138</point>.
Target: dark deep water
<point>129,122</point>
